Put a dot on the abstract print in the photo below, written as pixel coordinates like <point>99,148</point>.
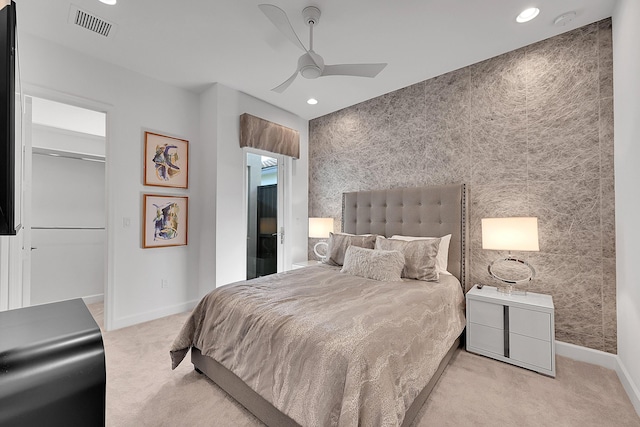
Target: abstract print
<point>166,161</point>
<point>166,221</point>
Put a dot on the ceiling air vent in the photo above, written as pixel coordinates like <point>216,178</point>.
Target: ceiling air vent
<point>90,21</point>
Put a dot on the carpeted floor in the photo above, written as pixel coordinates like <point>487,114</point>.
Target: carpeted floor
<point>142,390</point>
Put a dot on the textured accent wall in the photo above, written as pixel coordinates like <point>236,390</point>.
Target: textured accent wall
<point>531,132</point>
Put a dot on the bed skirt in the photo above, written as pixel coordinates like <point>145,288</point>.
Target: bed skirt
<point>269,414</point>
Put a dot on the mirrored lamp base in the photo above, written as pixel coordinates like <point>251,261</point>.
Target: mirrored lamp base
<point>320,255</point>
<point>510,288</point>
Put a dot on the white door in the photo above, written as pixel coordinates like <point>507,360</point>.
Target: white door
<point>265,201</point>
<point>14,250</point>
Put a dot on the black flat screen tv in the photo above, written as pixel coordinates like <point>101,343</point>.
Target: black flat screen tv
<point>9,196</point>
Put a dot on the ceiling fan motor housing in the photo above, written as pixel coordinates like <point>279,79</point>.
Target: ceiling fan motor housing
<point>310,65</point>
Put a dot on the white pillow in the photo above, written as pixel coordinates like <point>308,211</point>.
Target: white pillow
<point>442,260</point>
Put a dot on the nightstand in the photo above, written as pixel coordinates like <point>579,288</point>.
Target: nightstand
<point>516,329</point>
<point>303,264</point>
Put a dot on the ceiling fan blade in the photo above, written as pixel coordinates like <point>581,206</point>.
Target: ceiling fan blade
<point>281,88</point>
<point>279,18</point>
<point>359,70</point>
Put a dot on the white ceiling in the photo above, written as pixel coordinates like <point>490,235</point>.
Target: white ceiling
<point>193,43</point>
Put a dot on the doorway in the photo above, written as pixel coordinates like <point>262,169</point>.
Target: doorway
<point>265,201</point>
<point>67,215</point>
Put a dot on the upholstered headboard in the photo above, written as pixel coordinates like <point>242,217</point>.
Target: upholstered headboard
<point>432,211</point>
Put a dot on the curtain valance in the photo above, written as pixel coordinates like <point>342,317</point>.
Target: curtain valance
<point>265,135</point>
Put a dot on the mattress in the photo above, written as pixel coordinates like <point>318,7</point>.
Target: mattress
<point>327,348</point>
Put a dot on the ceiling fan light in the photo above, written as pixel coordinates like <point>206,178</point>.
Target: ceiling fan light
<point>527,15</point>
<point>310,71</point>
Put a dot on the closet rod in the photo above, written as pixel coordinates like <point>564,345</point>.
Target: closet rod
<point>67,228</point>
<point>87,159</point>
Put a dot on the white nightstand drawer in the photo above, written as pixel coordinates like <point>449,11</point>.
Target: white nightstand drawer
<point>530,323</point>
<point>530,350</point>
<point>486,338</point>
<point>484,313</point>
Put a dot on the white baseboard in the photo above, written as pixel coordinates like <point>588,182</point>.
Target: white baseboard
<point>588,355</point>
<point>629,386</point>
<point>606,360</point>
<point>92,299</point>
<point>125,321</point>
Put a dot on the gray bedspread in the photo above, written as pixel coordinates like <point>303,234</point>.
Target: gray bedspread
<point>327,348</point>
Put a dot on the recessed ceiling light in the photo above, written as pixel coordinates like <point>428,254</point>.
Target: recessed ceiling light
<point>312,101</point>
<point>528,14</point>
<point>109,2</point>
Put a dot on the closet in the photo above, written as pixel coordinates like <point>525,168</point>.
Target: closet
<point>68,236</point>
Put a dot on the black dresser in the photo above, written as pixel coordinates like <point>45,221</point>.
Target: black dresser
<point>52,366</point>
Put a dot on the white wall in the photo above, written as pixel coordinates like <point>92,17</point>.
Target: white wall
<point>208,181</point>
<point>134,103</point>
<point>67,192</point>
<point>216,253</point>
<point>51,139</point>
<point>626,80</point>
<point>221,108</point>
<point>53,114</point>
<point>67,264</point>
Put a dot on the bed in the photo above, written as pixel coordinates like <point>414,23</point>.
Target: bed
<point>318,347</point>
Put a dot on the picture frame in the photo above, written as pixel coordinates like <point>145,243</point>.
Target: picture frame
<point>166,161</point>
<point>165,221</point>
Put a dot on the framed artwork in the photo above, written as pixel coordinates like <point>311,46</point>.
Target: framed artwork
<point>166,161</point>
<point>164,221</point>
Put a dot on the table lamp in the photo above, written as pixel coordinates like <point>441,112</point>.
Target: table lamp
<point>268,225</point>
<point>319,228</point>
<point>510,234</point>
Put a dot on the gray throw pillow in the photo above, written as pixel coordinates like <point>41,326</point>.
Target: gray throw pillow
<point>419,256</point>
<point>373,264</point>
<point>338,244</point>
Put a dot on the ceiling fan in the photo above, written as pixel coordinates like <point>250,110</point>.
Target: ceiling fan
<point>310,64</point>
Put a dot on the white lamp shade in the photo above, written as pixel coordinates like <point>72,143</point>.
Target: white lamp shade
<point>510,234</point>
<point>319,228</point>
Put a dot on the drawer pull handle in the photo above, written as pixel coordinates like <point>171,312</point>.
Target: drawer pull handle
<point>506,329</point>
